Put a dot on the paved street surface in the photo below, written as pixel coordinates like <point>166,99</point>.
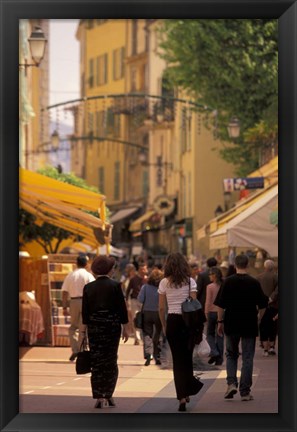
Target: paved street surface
<point>49,384</point>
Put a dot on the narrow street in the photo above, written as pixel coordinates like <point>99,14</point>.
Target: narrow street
<point>49,384</point>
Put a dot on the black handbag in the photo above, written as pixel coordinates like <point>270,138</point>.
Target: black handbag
<point>83,359</point>
<point>138,319</point>
<point>192,312</point>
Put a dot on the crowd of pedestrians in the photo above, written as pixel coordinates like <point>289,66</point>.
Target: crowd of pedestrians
<point>238,307</point>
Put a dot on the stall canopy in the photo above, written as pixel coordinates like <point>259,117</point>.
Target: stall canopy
<point>63,205</point>
<point>270,173</point>
<point>85,248</point>
<point>122,214</point>
<point>252,227</point>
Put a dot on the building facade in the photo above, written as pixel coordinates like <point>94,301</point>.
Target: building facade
<point>166,168</point>
<point>33,97</point>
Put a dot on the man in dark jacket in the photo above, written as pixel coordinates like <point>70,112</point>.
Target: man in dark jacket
<point>240,300</point>
<point>203,281</point>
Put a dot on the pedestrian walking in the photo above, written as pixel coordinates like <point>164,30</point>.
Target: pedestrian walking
<point>105,317</point>
<point>152,326</point>
<point>129,272</point>
<point>224,268</point>
<point>173,291</point>
<point>203,280</point>
<point>268,326</point>
<point>72,288</point>
<point>216,341</point>
<point>194,266</point>
<point>132,292</point>
<point>240,300</point>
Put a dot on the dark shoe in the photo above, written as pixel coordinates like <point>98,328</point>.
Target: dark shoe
<point>101,403</point>
<point>148,360</point>
<point>182,407</point>
<point>187,399</point>
<point>219,361</point>
<point>136,342</point>
<point>111,402</point>
<point>212,360</point>
<point>231,391</point>
<point>158,362</point>
<point>73,357</point>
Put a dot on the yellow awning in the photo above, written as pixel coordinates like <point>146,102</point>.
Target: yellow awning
<point>63,205</point>
<point>136,225</point>
<point>64,192</point>
<point>269,171</point>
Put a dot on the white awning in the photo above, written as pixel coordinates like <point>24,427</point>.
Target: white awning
<point>252,227</point>
<point>83,247</point>
<point>122,214</point>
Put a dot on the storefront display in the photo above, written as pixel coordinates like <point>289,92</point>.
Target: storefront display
<point>59,266</point>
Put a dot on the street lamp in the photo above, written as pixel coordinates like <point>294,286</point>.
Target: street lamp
<point>55,140</point>
<point>227,200</point>
<point>234,128</point>
<point>37,43</point>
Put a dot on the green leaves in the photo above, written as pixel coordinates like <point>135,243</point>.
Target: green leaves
<point>231,65</point>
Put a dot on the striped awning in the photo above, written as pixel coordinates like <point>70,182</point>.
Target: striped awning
<point>64,206</point>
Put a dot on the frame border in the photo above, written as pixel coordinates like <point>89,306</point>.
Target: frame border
<point>13,10</point>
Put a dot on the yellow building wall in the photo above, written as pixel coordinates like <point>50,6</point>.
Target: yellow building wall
<point>97,41</point>
<point>36,250</point>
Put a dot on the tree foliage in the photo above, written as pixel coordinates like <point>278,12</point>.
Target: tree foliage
<point>230,66</point>
<point>47,235</point>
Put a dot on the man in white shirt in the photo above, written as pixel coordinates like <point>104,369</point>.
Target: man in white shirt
<point>72,287</point>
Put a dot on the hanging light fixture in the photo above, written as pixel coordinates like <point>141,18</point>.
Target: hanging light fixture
<point>234,128</point>
<point>37,42</point>
<point>142,157</point>
<point>55,139</point>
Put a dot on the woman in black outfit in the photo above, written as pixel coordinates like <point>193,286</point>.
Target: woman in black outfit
<point>103,312</point>
<point>173,290</point>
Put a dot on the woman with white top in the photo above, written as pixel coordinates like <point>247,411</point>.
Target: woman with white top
<point>173,290</point>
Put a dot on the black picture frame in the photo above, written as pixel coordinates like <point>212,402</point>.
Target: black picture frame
<point>11,11</point>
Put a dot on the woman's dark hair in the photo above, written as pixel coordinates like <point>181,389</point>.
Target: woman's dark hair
<point>177,269</point>
<point>155,277</point>
<point>216,271</point>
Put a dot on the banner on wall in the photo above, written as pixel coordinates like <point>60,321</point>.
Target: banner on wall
<point>242,183</point>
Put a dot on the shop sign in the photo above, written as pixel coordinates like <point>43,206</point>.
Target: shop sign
<point>240,183</point>
<point>163,205</point>
<point>62,258</point>
<point>189,227</point>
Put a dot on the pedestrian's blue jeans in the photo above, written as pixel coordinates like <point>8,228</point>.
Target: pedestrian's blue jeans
<point>215,341</point>
<point>232,354</point>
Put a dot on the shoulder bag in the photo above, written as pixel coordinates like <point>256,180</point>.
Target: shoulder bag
<point>192,312</point>
<point>83,359</point>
